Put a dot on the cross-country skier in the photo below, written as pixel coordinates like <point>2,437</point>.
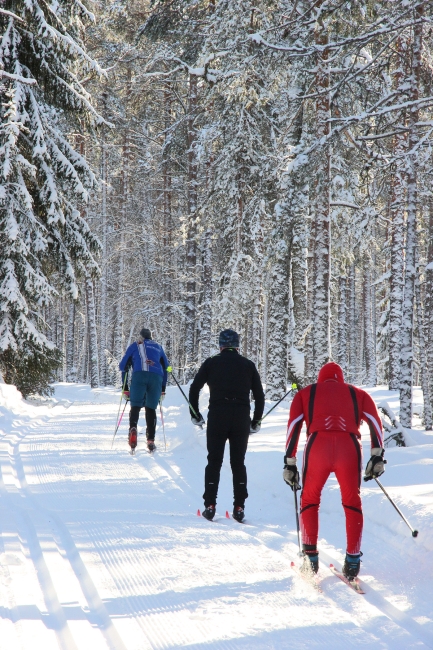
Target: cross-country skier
<point>332,411</point>
<point>149,379</point>
<point>230,378</point>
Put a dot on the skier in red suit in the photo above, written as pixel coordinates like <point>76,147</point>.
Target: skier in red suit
<point>332,411</point>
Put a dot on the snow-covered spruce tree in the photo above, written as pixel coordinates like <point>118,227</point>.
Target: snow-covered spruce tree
<point>43,179</point>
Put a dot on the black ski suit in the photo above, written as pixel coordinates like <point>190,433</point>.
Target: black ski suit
<point>230,378</point>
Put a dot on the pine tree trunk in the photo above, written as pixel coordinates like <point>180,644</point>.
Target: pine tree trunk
<point>406,376</point>
<point>299,271</point>
<point>369,340</point>
<point>206,328</point>
<point>71,372</point>
<point>321,315</point>
<point>425,370</point>
<point>429,297</point>
<point>352,371</point>
<point>103,287</point>
<point>277,328</point>
<point>167,224</point>
<point>92,334</point>
<point>342,323</point>
<point>191,244</point>
<point>397,262</point>
<point>264,361</point>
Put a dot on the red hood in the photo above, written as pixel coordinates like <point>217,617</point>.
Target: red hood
<point>331,371</point>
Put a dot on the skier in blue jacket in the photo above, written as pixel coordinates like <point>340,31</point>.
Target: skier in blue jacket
<point>149,379</point>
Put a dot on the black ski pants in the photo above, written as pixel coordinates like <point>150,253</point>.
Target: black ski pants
<point>227,422</point>
<point>151,419</point>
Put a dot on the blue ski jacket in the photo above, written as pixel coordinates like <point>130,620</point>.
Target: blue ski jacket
<point>148,356</point>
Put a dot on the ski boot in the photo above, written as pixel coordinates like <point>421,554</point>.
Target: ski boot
<point>352,564</point>
<point>209,513</point>
<point>238,513</point>
<point>311,558</point>
<point>132,438</point>
<point>151,445</point>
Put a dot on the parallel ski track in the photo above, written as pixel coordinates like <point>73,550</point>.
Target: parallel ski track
<point>98,613</point>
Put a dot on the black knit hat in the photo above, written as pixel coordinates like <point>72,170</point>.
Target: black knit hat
<point>145,333</point>
<point>229,339</point>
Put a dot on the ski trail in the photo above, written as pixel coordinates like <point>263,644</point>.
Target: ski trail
<point>97,612</point>
<point>121,534</point>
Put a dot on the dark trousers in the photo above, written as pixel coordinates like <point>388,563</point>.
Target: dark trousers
<point>134,414</point>
<point>227,422</point>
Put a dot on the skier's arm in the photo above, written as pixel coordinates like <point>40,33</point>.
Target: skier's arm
<point>125,364</point>
<point>164,363</point>
<point>371,416</point>
<point>294,425</point>
<point>259,396</point>
<point>194,390</point>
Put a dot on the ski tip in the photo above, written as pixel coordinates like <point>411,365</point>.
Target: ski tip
<point>198,513</point>
<point>227,514</point>
<point>331,566</point>
<point>292,564</point>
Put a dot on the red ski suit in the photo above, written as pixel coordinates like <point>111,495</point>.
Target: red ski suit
<point>332,411</point>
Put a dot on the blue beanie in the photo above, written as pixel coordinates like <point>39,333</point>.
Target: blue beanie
<point>229,339</point>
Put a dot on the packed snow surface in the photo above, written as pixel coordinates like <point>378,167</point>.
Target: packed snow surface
<point>100,549</point>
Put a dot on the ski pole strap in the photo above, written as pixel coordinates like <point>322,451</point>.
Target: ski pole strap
<point>293,387</point>
<point>414,532</point>
<point>170,370</point>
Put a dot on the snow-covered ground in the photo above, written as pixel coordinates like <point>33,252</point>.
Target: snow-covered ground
<point>100,549</point>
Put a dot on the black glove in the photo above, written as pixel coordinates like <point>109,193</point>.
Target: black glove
<point>255,426</point>
<point>376,464</point>
<point>125,383</point>
<point>290,473</point>
<point>196,418</point>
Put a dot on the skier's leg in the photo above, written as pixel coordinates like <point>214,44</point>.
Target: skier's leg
<point>134,414</point>
<point>216,436</point>
<point>317,466</point>
<point>151,399</point>
<point>348,470</point>
<point>238,440</point>
<point>150,423</point>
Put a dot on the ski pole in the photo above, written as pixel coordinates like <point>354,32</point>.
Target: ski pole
<point>170,369</point>
<point>295,492</point>
<point>414,532</point>
<point>162,422</point>
<point>118,424</point>
<point>120,405</point>
<point>294,387</point>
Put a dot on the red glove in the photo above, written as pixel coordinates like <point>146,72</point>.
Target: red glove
<point>126,394</point>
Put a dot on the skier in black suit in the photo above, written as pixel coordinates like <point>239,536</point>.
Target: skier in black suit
<point>230,378</point>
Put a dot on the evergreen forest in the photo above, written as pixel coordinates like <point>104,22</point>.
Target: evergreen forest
<point>192,165</point>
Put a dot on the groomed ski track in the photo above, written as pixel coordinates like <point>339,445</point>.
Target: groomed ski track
<point>100,549</point>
